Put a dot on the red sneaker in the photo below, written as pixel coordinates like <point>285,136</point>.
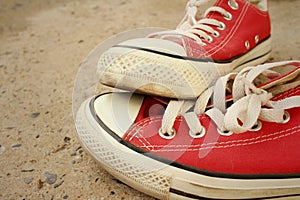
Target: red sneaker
<point>184,62</point>
<point>243,147</point>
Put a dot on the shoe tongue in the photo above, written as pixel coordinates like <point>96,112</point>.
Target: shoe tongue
<point>260,4</point>
<point>202,6</point>
<point>152,106</point>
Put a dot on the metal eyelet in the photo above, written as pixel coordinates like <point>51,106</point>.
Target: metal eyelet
<point>210,39</point>
<point>257,126</point>
<point>247,44</point>
<point>216,34</point>
<point>256,38</point>
<point>233,6</point>
<point>225,132</point>
<point>228,16</point>
<point>199,134</point>
<point>286,118</point>
<point>167,135</point>
<point>222,26</point>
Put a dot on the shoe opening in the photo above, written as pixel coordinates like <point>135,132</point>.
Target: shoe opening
<point>260,4</point>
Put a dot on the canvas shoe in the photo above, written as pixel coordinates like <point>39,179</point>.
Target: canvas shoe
<point>244,144</point>
<point>184,62</point>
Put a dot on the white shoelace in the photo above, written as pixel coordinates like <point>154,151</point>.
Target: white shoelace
<point>250,105</point>
<point>197,26</point>
<point>202,30</point>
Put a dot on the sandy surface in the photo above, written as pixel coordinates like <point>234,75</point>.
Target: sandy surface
<point>43,43</point>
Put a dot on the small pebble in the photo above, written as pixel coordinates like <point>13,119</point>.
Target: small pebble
<point>50,178</point>
<point>27,170</point>
<point>59,183</point>
<point>67,139</point>
<point>16,145</point>
<point>73,162</point>
<point>10,127</point>
<point>2,149</point>
<point>78,148</point>
<point>66,196</point>
<point>16,5</point>
<point>96,7</point>
<point>28,180</point>
<point>89,177</point>
<point>35,115</point>
<point>40,184</point>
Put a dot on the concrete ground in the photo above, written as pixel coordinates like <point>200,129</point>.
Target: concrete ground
<point>43,43</point>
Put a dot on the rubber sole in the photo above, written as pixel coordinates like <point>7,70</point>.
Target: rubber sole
<point>151,73</point>
<point>164,181</point>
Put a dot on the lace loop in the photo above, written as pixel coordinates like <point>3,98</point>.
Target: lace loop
<point>172,111</point>
<point>201,29</point>
<point>251,104</point>
<point>167,135</point>
<point>196,129</point>
<point>198,26</point>
<point>243,114</point>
